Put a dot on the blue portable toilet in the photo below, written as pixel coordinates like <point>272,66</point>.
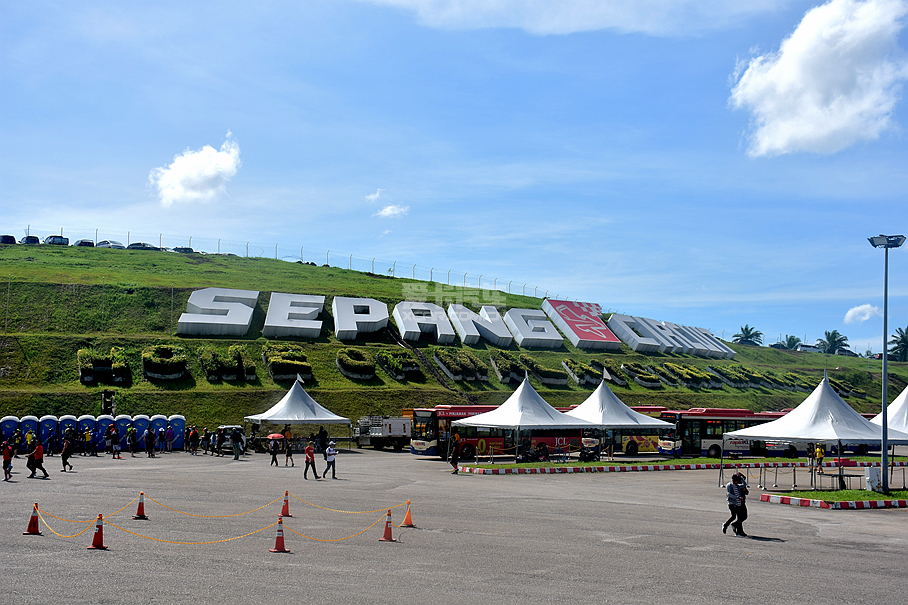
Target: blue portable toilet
<point>179,430</point>
<point>26,424</point>
<point>141,422</point>
<point>158,421</point>
<point>123,422</point>
<point>88,422</point>
<point>85,421</point>
<point>66,422</point>
<point>103,421</point>
<point>49,434</point>
<point>8,426</point>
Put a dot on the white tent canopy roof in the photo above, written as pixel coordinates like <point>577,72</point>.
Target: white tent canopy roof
<point>297,407</point>
<point>896,414</point>
<point>604,409</point>
<point>525,409</point>
<point>823,417</point>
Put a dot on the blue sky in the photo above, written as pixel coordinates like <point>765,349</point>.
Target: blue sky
<point>687,160</point>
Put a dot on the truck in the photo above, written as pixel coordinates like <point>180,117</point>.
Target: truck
<point>383,431</point>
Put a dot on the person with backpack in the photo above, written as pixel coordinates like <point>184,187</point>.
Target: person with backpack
<point>736,494</point>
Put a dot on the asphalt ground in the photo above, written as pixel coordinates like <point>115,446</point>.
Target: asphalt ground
<point>643,537</point>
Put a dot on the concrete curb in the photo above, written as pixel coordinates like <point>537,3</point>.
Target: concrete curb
<point>554,470</point>
<point>847,504</point>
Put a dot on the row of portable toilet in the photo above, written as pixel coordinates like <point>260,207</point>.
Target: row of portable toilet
<point>50,429</point>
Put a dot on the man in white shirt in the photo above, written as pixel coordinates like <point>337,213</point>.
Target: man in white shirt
<point>330,454</point>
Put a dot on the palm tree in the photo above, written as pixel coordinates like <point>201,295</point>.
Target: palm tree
<point>748,336</point>
<point>899,344</point>
<point>791,342</point>
<point>833,342</point>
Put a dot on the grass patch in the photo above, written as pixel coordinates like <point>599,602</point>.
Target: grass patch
<point>849,495</point>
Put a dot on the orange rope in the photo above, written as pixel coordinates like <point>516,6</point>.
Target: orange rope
<point>192,543</point>
<point>214,516</point>
<point>336,539</point>
<point>350,512</point>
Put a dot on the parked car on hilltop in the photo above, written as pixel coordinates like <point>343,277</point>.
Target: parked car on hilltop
<point>184,250</point>
<point>56,240</point>
<point>104,243</point>
<point>7,239</point>
<point>141,246</point>
<point>30,239</point>
<point>85,243</point>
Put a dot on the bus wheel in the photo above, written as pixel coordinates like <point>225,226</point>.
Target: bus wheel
<point>714,451</point>
<point>862,449</point>
<point>398,445</point>
<point>631,448</point>
<point>467,453</point>
<point>791,452</point>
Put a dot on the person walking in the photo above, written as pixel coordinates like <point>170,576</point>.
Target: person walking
<point>455,453</point>
<point>7,460</point>
<point>273,449</point>
<point>310,459</point>
<point>148,439</point>
<point>66,452</point>
<point>736,493</point>
<point>162,439</point>
<point>115,446</point>
<point>133,440</point>
<point>36,460</point>
<point>288,446</point>
<point>330,454</point>
<point>820,452</point>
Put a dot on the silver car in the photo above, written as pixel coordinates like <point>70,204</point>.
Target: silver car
<point>110,243</point>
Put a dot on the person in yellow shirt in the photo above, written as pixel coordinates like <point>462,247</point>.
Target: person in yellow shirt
<point>819,456</point>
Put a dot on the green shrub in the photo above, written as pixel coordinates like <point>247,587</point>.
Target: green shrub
<point>286,359</point>
<point>355,361</point>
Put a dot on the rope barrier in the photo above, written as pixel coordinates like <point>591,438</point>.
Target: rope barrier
<point>211,516</point>
<point>382,518</point>
<point>93,520</point>
<point>349,512</point>
<point>192,543</point>
<point>90,525</point>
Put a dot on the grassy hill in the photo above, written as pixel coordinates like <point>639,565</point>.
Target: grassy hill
<point>63,299</point>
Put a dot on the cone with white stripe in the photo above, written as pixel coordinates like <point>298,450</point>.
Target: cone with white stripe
<point>285,511</point>
<point>279,540</point>
<point>97,542</point>
<point>140,513</point>
<point>33,529</point>
<point>387,537</point>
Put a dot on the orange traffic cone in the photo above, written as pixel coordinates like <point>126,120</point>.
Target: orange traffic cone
<point>279,540</point>
<point>97,542</point>
<point>387,537</point>
<point>32,529</point>
<point>140,513</point>
<point>408,520</point>
<point>285,512</point>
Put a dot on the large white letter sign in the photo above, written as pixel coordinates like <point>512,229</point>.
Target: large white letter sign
<point>414,318</point>
<point>355,315</point>
<point>487,324</point>
<point>636,336</point>
<point>531,329</point>
<point>218,312</point>
<point>647,335</point>
<point>293,315</point>
<point>582,324</point>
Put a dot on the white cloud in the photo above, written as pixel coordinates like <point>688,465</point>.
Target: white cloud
<point>833,82</point>
<point>860,314</point>
<point>199,175</point>
<point>392,211</point>
<point>655,17</point>
<point>374,196</point>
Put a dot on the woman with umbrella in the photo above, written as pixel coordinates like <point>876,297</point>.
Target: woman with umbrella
<point>274,447</point>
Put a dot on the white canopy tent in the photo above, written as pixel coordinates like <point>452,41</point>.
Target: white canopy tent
<point>525,409</point>
<point>605,410</point>
<point>897,413</point>
<point>823,417</point>
<point>297,407</point>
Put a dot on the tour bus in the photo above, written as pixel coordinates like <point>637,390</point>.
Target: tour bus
<point>432,430</point>
<point>698,432</point>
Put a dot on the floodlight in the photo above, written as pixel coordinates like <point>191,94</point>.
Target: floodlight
<point>886,241</point>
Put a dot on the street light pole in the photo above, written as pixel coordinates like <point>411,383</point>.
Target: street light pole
<point>886,242</point>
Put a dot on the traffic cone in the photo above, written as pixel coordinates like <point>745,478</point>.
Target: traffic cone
<point>387,537</point>
<point>285,512</point>
<point>279,540</point>
<point>408,520</point>
<point>33,529</point>
<point>140,513</point>
<point>97,542</point>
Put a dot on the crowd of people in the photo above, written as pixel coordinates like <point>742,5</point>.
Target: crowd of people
<point>109,441</point>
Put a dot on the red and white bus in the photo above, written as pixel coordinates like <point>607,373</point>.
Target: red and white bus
<point>698,432</point>
<point>432,433</point>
